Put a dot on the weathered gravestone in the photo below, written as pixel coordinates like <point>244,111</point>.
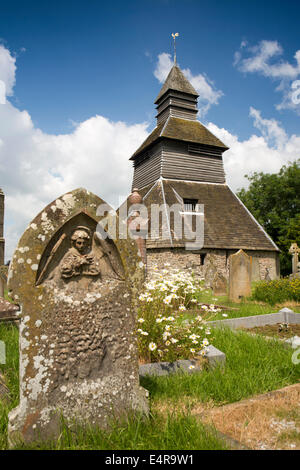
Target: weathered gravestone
<point>8,311</point>
<point>219,284</point>
<point>239,276</point>
<point>255,273</point>
<point>294,251</point>
<point>78,293</point>
<point>210,270</point>
<point>3,279</point>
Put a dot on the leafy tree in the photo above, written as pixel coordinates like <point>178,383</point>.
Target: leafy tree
<point>274,200</point>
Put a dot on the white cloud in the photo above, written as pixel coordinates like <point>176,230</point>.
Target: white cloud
<point>208,95</point>
<point>265,153</point>
<point>163,66</point>
<point>7,70</point>
<point>260,61</point>
<point>271,130</point>
<point>36,167</point>
<point>265,59</point>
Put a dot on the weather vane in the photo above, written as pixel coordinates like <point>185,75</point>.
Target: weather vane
<point>174,36</point>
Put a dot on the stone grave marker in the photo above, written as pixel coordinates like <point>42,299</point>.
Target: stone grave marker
<point>78,294</point>
<point>255,273</point>
<point>219,284</point>
<point>8,311</point>
<point>210,270</point>
<point>267,274</point>
<point>294,251</point>
<point>239,276</point>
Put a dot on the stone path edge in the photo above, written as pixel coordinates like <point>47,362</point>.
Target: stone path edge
<point>283,316</point>
<point>215,357</point>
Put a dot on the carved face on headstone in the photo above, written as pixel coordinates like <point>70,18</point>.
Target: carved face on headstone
<point>81,239</point>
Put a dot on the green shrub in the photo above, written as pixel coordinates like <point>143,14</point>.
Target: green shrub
<point>277,291</point>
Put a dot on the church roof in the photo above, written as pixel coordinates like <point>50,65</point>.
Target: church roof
<point>181,129</point>
<point>227,222</point>
<point>176,81</point>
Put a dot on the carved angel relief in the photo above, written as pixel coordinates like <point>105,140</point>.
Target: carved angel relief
<point>79,253</point>
<point>80,259</point>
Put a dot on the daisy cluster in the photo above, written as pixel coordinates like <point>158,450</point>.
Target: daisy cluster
<point>163,334</point>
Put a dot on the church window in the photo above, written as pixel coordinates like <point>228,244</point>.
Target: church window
<point>190,205</point>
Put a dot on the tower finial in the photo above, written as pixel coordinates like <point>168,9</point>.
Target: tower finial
<point>174,36</point>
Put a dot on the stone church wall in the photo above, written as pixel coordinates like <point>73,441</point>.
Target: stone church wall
<point>263,262</point>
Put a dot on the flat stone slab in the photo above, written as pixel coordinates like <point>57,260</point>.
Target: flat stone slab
<point>214,356</point>
<point>8,311</point>
<point>283,316</point>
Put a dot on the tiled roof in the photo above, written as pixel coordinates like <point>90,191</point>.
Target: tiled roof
<point>181,129</point>
<point>176,81</point>
<point>227,223</point>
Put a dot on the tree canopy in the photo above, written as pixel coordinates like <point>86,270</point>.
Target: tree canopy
<point>274,200</point>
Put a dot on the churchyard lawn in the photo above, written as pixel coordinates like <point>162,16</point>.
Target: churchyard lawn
<point>253,366</point>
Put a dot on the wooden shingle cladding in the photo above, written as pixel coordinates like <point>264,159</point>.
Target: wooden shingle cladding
<point>147,170</point>
<point>177,105</point>
<point>180,149</point>
<point>178,112</point>
<point>179,162</point>
<point>227,223</point>
<point>153,138</point>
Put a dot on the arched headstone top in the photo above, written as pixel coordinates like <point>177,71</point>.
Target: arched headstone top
<point>47,251</point>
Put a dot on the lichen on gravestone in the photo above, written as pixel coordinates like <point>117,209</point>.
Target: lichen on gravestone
<point>78,293</point>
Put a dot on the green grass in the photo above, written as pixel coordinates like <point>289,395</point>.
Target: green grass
<point>176,431</point>
<point>253,366</point>
<point>10,335</point>
<point>245,308</point>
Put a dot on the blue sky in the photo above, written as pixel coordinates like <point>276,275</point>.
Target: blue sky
<point>87,58</point>
<point>82,77</point>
